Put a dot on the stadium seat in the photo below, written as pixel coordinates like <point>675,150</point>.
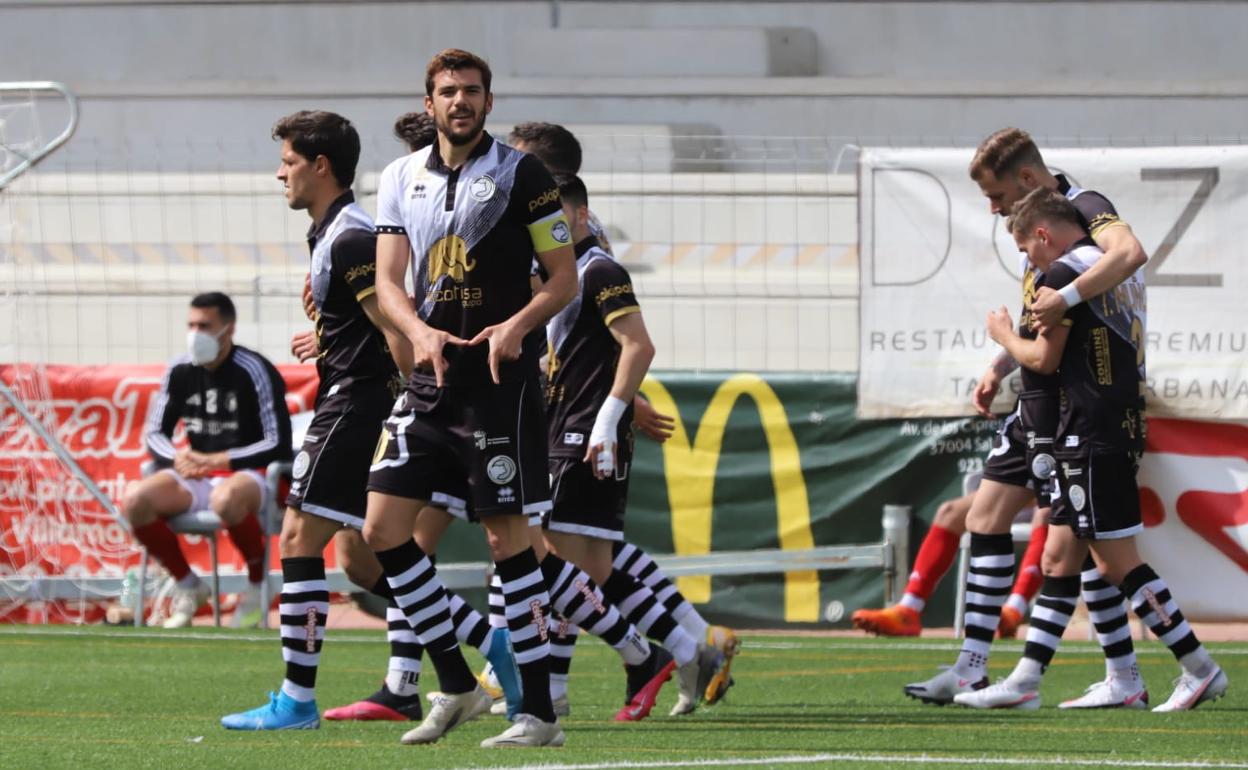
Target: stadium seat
<point>208,524</point>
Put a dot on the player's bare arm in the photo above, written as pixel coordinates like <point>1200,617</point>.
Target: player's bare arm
<point>990,383</point>
<point>560,287</point>
<point>400,347</point>
<point>1123,256</point>
<point>636,353</point>
<point>427,342</point>
<point>1041,355</point>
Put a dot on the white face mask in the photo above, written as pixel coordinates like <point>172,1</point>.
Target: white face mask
<point>203,346</point>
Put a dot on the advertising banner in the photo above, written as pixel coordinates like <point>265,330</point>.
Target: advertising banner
<point>934,261</point>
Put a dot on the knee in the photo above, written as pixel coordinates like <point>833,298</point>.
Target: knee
<point>379,538</point>
<point>951,516</point>
<point>230,503</point>
<point>137,508</point>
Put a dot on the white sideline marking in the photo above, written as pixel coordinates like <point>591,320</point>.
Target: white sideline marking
<point>750,644</point>
<point>911,759</point>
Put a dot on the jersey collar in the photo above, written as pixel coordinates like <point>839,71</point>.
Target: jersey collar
<point>582,247</point>
<point>434,161</point>
<point>1063,184</point>
<point>317,230</point>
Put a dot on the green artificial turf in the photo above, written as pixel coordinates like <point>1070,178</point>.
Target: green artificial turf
<point>107,697</point>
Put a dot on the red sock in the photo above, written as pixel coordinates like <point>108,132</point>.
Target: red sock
<point>249,541</point>
<point>1027,584</point>
<point>161,543</point>
<point>936,555</point>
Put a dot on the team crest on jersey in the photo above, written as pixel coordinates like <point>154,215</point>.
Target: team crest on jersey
<point>1043,466</point>
<point>560,232</point>
<point>482,188</point>
<point>501,469</point>
<point>1078,498</point>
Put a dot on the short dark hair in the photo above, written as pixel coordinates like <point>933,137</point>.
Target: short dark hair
<point>1042,205</point>
<point>416,130</point>
<point>219,300</point>
<point>572,189</point>
<point>552,144</point>
<point>313,133</point>
<point>1005,152</point>
<point>456,59</point>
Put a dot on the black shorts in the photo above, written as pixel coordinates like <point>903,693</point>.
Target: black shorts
<point>1022,451</point>
<point>329,477</point>
<point>586,505</point>
<point>1100,498</point>
<point>487,443</point>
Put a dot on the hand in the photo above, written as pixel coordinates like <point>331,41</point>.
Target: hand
<point>601,458</point>
<point>304,346</point>
<point>309,304</point>
<point>427,348</point>
<point>985,391</point>
<point>1047,309</point>
<point>188,463</point>
<point>505,342</point>
<point>653,424</point>
<point>1000,325</point>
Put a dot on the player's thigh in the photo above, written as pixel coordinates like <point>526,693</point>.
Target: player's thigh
<point>305,534</point>
<point>995,506</point>
<point>431,524</point>
<point>161,495</point>
<point>568,546</point>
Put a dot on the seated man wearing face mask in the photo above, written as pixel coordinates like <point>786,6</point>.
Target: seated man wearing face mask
<point>232,403</point>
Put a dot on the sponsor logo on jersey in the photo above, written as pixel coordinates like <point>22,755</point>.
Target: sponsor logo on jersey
<point>418,190</point>
<point>547,197</point>
<point>501,469</point>
<point>482,188</point>
<point>360,271</point>
<point>574,439</point>
<point>613,291</point>
<point>478,438</point>
<point>506,495</point>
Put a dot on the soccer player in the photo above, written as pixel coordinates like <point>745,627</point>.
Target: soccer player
<point>1021,465</point>
<point>358,384</point>
<point>935,557</point>
<point>1098,355</point>
<point>466,215</point>
<point>232,403</point>
<point>558,149</point>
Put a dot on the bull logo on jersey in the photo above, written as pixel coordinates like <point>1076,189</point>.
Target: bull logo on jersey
<point>449,257</point>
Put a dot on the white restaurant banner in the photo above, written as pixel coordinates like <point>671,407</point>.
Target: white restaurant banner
<point>934,261</point>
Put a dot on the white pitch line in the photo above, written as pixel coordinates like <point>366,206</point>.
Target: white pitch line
<point>750,644</point>
<point>891,759</point>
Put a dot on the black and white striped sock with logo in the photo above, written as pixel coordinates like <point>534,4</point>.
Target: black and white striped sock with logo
<point>1107,610</point>
<point>1151,600</point>
<point>988,584</point>
<point>575,595</point>
<point>638,603</point>
<point>636,562</point>
<point>422,597</point>
<point>528,605</point>
<point>303,607</point>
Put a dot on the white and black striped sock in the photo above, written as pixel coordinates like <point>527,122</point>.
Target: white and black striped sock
<point>576,597</point>
<point>987,586</point>
<point>303,607</point>
<point>1107,610</point>
<point>563,636</point>
<point>636,562</point>
<point>1049,618</point>
<point>638,603</point>
<point>1151,600</point>
<point>528,606</point>
<point>471,627</point>
<point>420,594</point>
